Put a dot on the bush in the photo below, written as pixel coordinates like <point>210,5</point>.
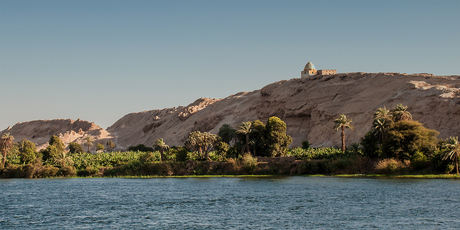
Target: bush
<point>88,171</point>
<point>48,171</point>
<point>67,171</point>
<point>222,149</point>
<point>305,145</point>
<point>181,155</point>
<point>249,162</point>
<point>99,147</point>
<point>391,166</point>
<point>149,157</point>
<point>140,148</point>
<point>418,161</point>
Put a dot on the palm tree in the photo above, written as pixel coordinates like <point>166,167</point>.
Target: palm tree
<point>400,113</point>
<point>343,122</point>
<point>452,150</point>
<point>226,133</point>
<point>161,145</point>
<point>6,142</point>
<point>381,125</point>
<point>88,143</point>
<point>383,114</point>
<point>245,128</point>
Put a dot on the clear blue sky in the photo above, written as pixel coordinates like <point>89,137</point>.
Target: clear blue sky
<point>99,60</point>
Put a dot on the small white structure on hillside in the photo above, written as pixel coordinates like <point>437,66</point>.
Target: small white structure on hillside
<point>310,70</point>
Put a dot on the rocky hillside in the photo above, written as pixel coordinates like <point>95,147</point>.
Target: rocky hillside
<point>308,106</point>
<point>67,130</point>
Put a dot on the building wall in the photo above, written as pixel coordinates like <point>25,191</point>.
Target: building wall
<point>308,73</point>
<point>327,71</point>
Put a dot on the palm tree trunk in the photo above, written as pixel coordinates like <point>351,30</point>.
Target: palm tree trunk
<point>456,163</point>
<point>343,139</point>
<point>4,158</point>
<point>247,144</point>
<point>161,154</point>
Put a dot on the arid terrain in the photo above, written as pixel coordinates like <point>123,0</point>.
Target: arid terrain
<point>308,106</point>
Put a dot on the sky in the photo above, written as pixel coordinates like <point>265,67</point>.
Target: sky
<point>100,60</point>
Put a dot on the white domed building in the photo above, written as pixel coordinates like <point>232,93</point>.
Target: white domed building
<point>310,70</point>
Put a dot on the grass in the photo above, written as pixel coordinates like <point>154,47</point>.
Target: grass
<point>415,176</point>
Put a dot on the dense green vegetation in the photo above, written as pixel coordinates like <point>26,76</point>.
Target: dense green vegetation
<point>395,145</point>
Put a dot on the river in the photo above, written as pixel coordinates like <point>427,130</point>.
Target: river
<point>230,203</point>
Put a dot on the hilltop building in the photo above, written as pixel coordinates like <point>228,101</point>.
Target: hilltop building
<point>310,70</point>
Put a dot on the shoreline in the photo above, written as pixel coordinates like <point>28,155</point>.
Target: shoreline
<point>372,176</point>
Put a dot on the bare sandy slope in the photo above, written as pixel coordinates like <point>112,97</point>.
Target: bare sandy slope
<point>308,106</point>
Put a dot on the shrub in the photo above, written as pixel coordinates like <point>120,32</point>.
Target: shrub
<point>99,147</point>
<point>148,157</point>
<point>418,161</point>
<point>391,166</point>
<point>140,148</point>
<point>48,171</point>
<point>249,162</point>
<point>305,145</point>
<point>222,149</point>
<point>181,155</point>
<point>67,171</point>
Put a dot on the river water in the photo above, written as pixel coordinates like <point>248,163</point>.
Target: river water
<point>230,203</point>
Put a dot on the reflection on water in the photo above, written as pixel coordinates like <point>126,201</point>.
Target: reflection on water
<point>230,203</point>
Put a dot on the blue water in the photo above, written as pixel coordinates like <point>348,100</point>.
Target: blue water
<point>230,203</point>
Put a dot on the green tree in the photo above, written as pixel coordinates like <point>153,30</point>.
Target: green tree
<point>245,129</point>
<point>88,142</point>
<point>343,123</point>
<point>161,146</point>
<point>6,143</point>
<point>57,142</point>
<point>370,144</point>
<point>209,140</point>
<point>275,138</point>
<point>75,148</point>
<point>451,150</point>
<point>110,145</point>
<point>201,142</point>
<point>194,142</point>
<point>50,154</point>
<point>27,156</point>
<point>227,133</point>
<point>99,147</point>
<point>25,144</point>
<point>404,138</point>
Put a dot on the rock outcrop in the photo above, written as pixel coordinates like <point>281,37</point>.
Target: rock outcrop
<point>308,106</point>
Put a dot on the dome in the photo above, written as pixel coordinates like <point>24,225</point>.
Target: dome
<point>309,66</point>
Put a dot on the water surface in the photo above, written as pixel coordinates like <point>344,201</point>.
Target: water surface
<point>230,203</point>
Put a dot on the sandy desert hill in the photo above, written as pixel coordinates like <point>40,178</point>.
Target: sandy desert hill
<point>308,106</point>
